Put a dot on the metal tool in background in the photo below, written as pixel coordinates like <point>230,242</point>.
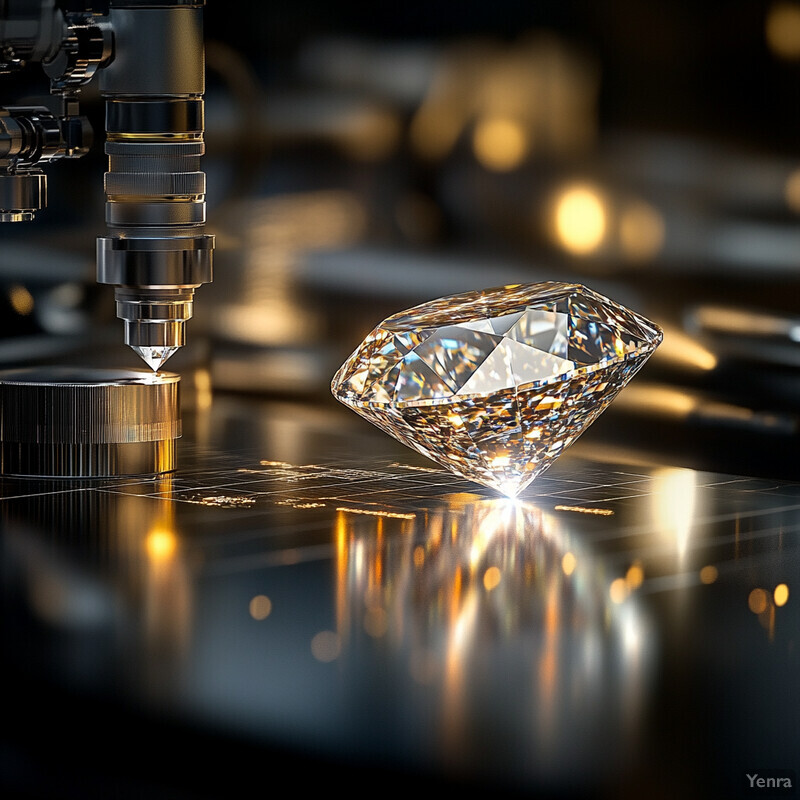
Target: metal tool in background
<point>151,57</point>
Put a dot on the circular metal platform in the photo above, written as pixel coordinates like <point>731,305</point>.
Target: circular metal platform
<point>84,423</point>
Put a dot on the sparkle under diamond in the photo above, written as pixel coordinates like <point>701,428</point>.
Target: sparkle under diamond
<point>494,385</point>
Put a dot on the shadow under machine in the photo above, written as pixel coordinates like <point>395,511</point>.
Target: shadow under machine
<point>149,60</point>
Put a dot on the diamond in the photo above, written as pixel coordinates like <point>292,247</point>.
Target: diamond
<point>154,357</point>
<point>494,385</point>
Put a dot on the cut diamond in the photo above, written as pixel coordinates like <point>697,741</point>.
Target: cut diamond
<point>154,357</point>
<point>496,384</point>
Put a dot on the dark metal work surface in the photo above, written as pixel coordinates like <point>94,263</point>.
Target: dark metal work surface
<point>305,599</point>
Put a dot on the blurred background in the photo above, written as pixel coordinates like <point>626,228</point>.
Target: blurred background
<point>359,163</point>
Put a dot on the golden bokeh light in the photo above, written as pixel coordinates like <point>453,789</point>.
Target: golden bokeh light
<point>618,590</point>
<point>326,646</point>
<point>641,231</point>
<point>757,601</point>
<point>202,383</point>
<point>782,30</point>
<point>21,300</point>
<point>781,594</point>
<point>568,563</point>
<point>634,576</point>
<point>709,574</point>
<point>580,219</point>
<point>500,144</point>
<point>491,578</point>
<point>260,607</point>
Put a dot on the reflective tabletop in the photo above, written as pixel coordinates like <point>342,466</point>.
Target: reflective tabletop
<point>306,598</point>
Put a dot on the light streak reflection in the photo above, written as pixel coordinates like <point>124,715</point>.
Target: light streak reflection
<point>486,573</point>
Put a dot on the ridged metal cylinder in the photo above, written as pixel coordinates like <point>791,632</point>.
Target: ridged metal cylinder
<point>87,423</point>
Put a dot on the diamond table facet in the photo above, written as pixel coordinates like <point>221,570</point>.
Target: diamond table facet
<point>494,385</point>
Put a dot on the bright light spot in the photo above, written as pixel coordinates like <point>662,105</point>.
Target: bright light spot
<point>631,634</point>
<point>580,220</point>
<point>455,420</point>
<point>491,578</point>
<point>260,607</point>
<point>568,563</point>
<point>674,499</point>
<point>326,646</point>
<point>634,576</point>
<point>21,300</point>
<point>500,144</point>
<point>500,461</point>
<point>641,232</point>
<point>160,545</point>
<point>709,574</point>
<point>781,594</point>
<point>618,590</point>
<point>757,601</point>
<point>376,621</point>
<point>782,30</point>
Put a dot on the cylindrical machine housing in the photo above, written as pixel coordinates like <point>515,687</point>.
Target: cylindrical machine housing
<point>157,252</point>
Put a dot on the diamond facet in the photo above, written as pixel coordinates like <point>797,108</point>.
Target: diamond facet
<point>496,384</point>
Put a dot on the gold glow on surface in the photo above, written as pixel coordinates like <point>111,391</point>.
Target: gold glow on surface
<point>599,512</point>
<point>580,219</point>
<point>781,594</point>
<point>21,300</point>
<point>641,231</point>
<point>782,30</point>
<point>757,601</point>
<point>260,607</point>
<point>160,545</point>
<point>709,574</point>
<point>568,563</point>
<point>369,513</point>
<point>674,498</point>
<point>500,144</point>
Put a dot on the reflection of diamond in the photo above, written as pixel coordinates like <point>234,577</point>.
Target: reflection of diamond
<point>494,385</point>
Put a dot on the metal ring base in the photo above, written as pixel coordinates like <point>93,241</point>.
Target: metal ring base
<point>70,460</point>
